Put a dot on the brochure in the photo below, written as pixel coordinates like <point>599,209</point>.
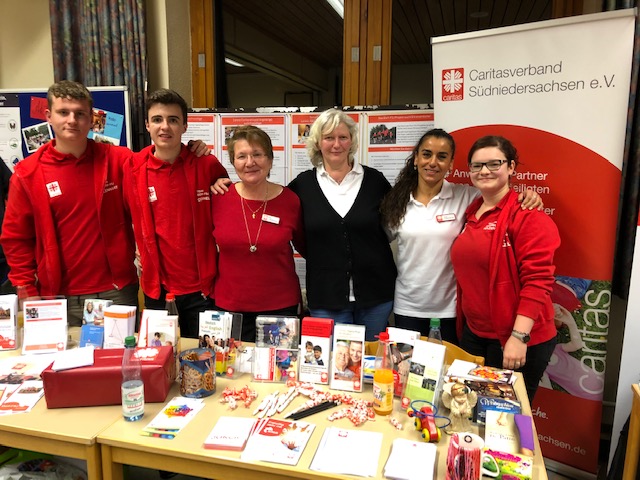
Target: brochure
<point>402,342</point>
<point>425,372</point>
<point>347,357</point>
<point>8,319</point>
<point>119,323</point>
<point>93,313</point>
<point>230,433</point>
<point>45,326</point>
<point>173,417</point>
<point>278,441</point>
<point>315,349</point>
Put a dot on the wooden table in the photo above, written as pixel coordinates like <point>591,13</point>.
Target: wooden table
<point>122,443</point>
<point>633,440</point>
<point>68,432</point>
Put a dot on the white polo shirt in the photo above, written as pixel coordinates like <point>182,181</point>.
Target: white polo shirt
<point>426,285</point>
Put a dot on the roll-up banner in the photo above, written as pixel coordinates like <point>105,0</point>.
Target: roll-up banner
<point>559,91</point>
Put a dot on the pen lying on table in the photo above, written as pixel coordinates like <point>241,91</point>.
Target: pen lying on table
<point>311,410</point>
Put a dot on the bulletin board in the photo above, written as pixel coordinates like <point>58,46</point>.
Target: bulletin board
<point>24,128</point>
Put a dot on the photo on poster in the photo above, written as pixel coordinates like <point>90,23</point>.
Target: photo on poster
<point>106,126</point>
<point>36,135</point>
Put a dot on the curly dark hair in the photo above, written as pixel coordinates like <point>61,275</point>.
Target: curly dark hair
<point>394,204</point>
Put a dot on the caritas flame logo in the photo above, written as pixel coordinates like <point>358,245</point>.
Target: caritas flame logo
<point>453,84</point>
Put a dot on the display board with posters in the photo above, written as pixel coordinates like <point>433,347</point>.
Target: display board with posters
<point>24,127</point>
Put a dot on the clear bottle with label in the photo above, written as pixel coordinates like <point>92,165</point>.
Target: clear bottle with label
<point>172,308</point>
<point>383,377</point>
<point>132,385</point>
<point>435,335</point>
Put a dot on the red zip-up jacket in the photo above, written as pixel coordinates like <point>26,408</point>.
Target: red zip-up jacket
<point>29,233</point>
<point>520,273</point>
<point>201,173</point>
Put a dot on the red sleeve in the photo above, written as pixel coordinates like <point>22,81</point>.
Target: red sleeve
<point>535,240</point>
<point>19,238</point>
<point>218,171</point>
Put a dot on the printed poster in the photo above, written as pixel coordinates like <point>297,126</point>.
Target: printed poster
<point>538,85</point>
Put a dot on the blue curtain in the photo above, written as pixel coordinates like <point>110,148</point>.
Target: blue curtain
<point>103,43</point>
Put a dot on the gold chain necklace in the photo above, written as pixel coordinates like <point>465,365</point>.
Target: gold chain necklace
<point>253,247</point>
<point>253,212</point>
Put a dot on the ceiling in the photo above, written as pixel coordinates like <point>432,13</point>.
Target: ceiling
<point>312,28</point>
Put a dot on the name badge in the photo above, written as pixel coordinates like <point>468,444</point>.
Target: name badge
<point>447,217</point>
<point>270,219</point>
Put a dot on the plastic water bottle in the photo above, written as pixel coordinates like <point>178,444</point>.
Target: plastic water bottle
<point>383,377</point>
<point>434,331</point>
<point>132,386</point>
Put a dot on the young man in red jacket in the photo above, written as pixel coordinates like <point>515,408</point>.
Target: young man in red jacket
<point>65,230</point>
<point>167,190</point>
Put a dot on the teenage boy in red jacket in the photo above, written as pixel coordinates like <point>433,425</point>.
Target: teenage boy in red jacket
<point>167,190</point>
<point>65,230</point>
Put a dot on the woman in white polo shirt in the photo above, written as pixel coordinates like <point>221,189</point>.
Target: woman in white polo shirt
<point>425,213</point>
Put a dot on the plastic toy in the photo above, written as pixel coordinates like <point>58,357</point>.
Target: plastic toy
<point>425,420</point>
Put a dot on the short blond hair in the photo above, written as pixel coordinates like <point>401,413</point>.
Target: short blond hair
<point>327,123</point>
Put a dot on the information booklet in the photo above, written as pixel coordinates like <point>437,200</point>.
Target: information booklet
<point>509,441</point>
<point>315,349</point>
<point>464,370</point>
<point>347,357</point>
<point>173,417</point>
<point>45,326</point>
<point>275,356</point>
<point>119,323</point>
<point>8,319</point>
<point>144,324</point>
<point>425,372</point>
<point>93,313</point>
<point>278,441</point>
<point>402,342</point>
<point>92,335</point>
<point>230,433</point>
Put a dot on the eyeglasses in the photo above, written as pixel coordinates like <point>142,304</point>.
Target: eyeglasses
<point>492,165</point>
<point>255,156</point>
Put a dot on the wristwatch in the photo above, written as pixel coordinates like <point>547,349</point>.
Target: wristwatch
<point>523,337</point>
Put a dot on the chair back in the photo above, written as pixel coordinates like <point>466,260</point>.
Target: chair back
<point>452,352</point>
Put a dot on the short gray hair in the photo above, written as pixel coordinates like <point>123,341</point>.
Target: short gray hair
<point>327,123</point>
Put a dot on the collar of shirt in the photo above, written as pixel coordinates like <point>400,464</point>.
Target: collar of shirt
<point>355,175</point>
<point>155,163</point>
<point>57,157</point>
<point>445,192</point>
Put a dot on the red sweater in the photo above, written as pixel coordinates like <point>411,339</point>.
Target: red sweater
<point>265,279</point>
<point>201,173</point>
<point>29,237</point>
<point>519,274</point>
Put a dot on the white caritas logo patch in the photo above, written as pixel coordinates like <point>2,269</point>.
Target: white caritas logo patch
<point>54,189</point>
<point>152,194</point>
<point>490,226</point>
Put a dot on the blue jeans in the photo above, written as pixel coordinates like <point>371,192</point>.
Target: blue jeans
<point>373,318</point>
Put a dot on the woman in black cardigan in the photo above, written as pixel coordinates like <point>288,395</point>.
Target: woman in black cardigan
<point>350,268</point>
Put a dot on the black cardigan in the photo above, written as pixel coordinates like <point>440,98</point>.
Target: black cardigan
<point>339,248</point>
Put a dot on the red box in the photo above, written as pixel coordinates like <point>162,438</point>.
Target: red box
<point>99,384</point>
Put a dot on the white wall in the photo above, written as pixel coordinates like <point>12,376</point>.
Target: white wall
<point>26,60</point>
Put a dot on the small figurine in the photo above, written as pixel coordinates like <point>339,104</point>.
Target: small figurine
<point>460,400</point>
